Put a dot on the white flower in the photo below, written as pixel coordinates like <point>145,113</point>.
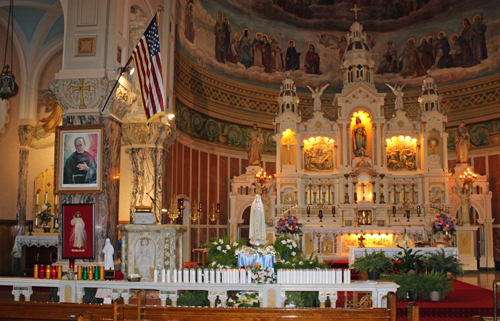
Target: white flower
<point>219,248</point>
<point>228,246</point>
<point>221,241</point>
<point>224,251</point>
<point>44,207</point>
<point>215,243</point>
<point>283,242</point>
<point>235,244</point>
<point>290,247</point>
<point>301,263</point>
<point>294,244</point>
<point>293,253</point>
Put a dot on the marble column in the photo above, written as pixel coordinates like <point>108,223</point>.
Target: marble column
<point>147,155</point>
<point>26,133</point>
<point>85,108</point>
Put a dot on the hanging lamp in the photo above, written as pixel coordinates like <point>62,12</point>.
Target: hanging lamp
<point>8,86</point>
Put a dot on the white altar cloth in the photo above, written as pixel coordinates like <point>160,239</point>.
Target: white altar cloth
<point>355,252</point>
<point>33,240</point>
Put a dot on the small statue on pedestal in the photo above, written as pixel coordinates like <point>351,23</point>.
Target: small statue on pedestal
<point>108,251</point>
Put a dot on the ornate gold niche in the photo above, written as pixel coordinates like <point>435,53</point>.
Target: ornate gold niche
<point>318,154</point>
<point>401,153</point>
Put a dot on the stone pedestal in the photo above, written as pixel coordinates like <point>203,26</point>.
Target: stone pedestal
<point>466,244</point>
<point>148,247</point>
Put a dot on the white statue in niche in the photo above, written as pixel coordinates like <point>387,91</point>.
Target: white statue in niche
<point>465,199</point>
<point>108,252</point>
<point>316,94</point>
<point>257,222</point>
<point>144,257</point>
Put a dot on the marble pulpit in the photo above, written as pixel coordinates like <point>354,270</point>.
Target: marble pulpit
<point>149,247</point>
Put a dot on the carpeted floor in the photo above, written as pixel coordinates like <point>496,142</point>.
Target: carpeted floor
<point>464,302</point>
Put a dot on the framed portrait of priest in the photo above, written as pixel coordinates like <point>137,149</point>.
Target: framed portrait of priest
<point>78,231</point>
<point>79,159</point>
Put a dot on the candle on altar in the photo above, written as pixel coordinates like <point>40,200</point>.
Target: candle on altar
<point>79,273</point>
<point>249,276</point>
<point>185,278</point>
<point>242,276</point>
<point>279,276</point>
<point>46,197</point>
<point>236,276</point>
<point>192,276</point>
<point>155,276</point>
<point>217,276</point>
<point>294,276</point>
<point>168,275</point>
<point>36,200</point>
<point>163,275</point>
<point>287,276</point>
<point>313,277</point>
<point>179,276</point>
<point>332,276</point>
<point>56,200</point>
<point>339,276</point>
<point>205,276</point>
<point>47,272</point>
<point>306,277</point>
<point>53,271</point>
<point>200,277</point>
<point>212,276</point>
<point>224,276</point>
<point>42,271</point>
<point>326,276</point>
<point>35,271</point>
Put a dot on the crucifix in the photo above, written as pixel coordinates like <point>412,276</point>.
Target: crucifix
<point>355,9</point>
<point>81,88</point>
<point>288,144</point>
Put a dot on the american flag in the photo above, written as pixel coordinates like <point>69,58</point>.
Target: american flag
<point>148,63</point>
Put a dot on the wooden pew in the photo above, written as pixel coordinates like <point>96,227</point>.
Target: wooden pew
<point>413,312</point>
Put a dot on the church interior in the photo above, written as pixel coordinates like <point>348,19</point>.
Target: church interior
<point>370,123</point>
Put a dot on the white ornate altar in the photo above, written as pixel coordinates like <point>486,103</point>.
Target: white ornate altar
<point>149,247</point>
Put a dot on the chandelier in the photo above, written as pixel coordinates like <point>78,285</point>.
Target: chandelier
<point>261,177</point>
<point>195,213</point>
<point>468,178</point>
<point>174,211</point>
<point>214,215</point>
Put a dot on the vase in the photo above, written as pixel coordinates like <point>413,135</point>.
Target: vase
<point>46,229</point>
<point>447,240</point>
<point>435,296</point>
<point>374,275</point>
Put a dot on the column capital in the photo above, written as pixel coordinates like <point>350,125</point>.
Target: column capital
<point>160,135</point>
<point>26,134</point>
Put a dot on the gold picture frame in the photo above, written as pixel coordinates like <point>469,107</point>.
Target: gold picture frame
<point>79,160</point>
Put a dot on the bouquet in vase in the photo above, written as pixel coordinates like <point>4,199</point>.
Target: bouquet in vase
<point>443,224</point>
<point>45,215</point>
<point>289,224</point>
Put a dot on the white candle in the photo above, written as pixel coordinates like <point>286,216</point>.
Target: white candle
<point>242,276</point>
<point>46,197</point>
<point>332,276</point>
<point>56,200</point>
<point>168,275</point>
<point>155,275</point>
<point>212,276</point>
<point>294,276</point>
<point>236,276</point>
<point>186,276</point>
<point>217,276</point>
<point>326,278</point>
<point>179,276</point>
<point>313,277</point>
<point>301,276</point>
<point>36,202</point>
<point>192,276</point>
<point>249,276</point>
<point>279,277</point>
<point>307,278</point>
<point>200,278</point>
<point>346,278</point>
<point>348,281</point>
<point>339,276</point>
<point>163,275</point>
<point>224,276</point>
<point>205,276</point>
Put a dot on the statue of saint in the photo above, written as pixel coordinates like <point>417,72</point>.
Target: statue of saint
<point>462,143</point>
<point>316,94</point>
<point>359,138</point>
<point>398,91</point>
<point>255,145</point>
<point>108,251</point>
<point>465,199</point>
<point>257,222</point>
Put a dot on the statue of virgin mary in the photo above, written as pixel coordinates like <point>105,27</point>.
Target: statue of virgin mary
<point>257,222</point>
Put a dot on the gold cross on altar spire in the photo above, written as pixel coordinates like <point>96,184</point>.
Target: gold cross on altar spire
<point>355,9</point>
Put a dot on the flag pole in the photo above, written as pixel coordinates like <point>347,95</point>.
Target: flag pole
<point>122,69</point>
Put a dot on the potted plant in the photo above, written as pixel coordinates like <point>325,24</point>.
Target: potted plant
<point>373,264</point>
<point>439,284</point>
<point>407,260</point>
<point>411,285</point>
<point>45,216</point>
<point>439,262</point>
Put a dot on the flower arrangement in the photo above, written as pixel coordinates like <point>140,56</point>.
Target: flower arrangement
<point>443,224</point>
<point>260,275</point>
<point>243,300</point>
<point>249,251</point>
<point>45,216</point>
<point>289,224</point>
<point>221,253</point>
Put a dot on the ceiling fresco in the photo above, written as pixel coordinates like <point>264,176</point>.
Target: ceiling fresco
<point>258,41</point>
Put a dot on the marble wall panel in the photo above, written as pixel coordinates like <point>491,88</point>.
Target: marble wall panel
<point>204,185</point>
<point>75,120</point>
<point>480,165</point>
<point>22,190</point>
<point>494,179</point>
<point>186,182</point>
<point>223,190</point>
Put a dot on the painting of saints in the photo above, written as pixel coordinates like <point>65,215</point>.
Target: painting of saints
<point>292,57</point>
<point>267,57</point>
<point>188,22</point>
<point>257,50</point>
<point>245,56</point>
<point>412,65</point>
<point>311,63</point>
<point>277,55</point>
<point>427,52</point>
<point>220,38</point>
<point>78,234</point>
<point>463,56</point>
<point>478,43</point>
<point>234,49</point>
<point>227,36</point>
<point>342,47</point>
<point>443,58</point>
<point>359,138</point>
<point>390,62</point>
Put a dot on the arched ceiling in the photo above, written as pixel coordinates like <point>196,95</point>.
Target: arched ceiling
<point>38,22</point>
<point>464,53</point>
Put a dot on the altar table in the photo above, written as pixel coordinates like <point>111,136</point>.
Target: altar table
<point>29,240</point>
<point>354,252</point>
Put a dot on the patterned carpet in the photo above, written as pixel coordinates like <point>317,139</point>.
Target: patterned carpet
<point>464,302</point>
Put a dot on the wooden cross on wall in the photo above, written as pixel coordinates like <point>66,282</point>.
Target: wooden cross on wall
<point>81,88</point>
